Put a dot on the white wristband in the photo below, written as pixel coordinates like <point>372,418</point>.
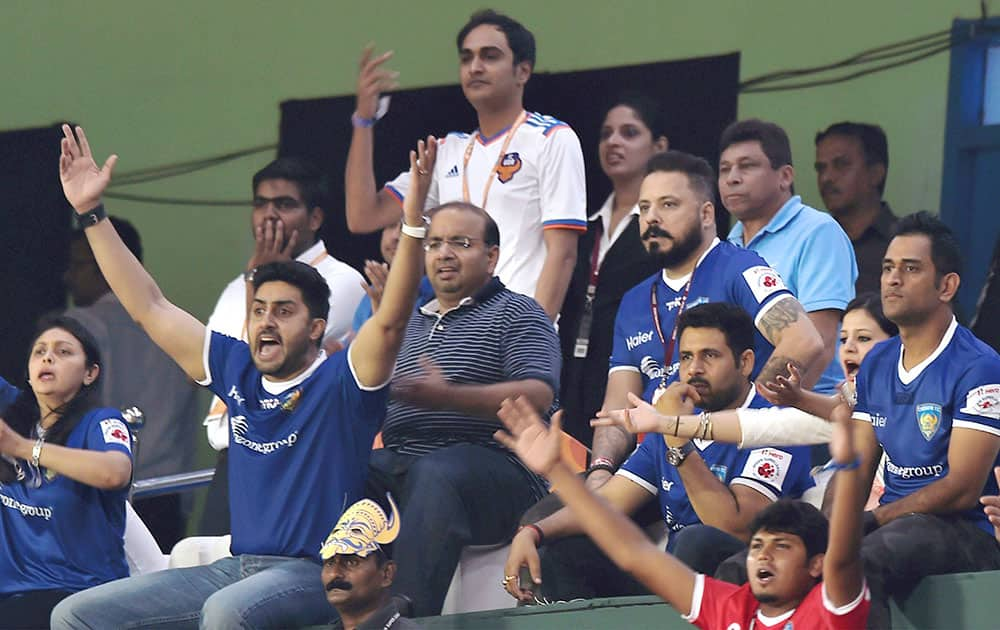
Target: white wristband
<point>416,232</point>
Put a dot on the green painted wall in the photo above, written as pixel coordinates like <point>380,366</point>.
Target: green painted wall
<point>159,82</point>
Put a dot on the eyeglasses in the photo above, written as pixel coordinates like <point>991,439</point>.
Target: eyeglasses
<point>280,203</point>
<point>455,242</point>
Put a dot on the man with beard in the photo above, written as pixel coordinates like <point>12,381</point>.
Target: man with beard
<point>677,223</point>
<point>302,423</point>
<point>358,568</point>
<point>708,492</point>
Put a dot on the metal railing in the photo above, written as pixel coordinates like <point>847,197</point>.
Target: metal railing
<point>171,484</point>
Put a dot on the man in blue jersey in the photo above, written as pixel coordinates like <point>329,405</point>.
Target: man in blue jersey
<point>708,492</point>
<point>677,223</point>
<point>468,348</point>
<point>807,247</point>
<point>524,168</point>
<point>930,400</point>
<point>302,423</point>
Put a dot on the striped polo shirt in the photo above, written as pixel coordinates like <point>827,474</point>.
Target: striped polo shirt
<point>494,336</point>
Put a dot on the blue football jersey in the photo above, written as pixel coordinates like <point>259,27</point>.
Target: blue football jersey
<point>726,273</point>
<point>65,535</point>
<point>298,457</point>
<point>913,412</point>
<point>774,472</point>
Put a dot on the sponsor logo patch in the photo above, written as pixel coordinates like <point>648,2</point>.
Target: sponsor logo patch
<point>983,401</point>
<point>928,419</point>
<point>768,465</point>
<point>115,432</point>
<point>763,281</point>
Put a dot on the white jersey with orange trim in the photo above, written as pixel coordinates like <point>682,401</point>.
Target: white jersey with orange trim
<point>538,184</point>
<point>229,318</point>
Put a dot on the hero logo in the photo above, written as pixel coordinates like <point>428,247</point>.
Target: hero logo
<point>638,339</point>
<point>763,281</point>
<point>983,401</point>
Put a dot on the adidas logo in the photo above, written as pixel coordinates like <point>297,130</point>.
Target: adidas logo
<point>453,172</point>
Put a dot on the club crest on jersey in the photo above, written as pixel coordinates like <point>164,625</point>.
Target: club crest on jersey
<point>291,401</point>
<point>509,165</point>
<point>928,419</point>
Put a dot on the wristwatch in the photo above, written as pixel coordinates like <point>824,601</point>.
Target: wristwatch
<point>677,454</point>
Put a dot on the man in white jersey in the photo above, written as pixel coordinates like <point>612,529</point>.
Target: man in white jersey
<point>288,201</point>
<point>525,169</point>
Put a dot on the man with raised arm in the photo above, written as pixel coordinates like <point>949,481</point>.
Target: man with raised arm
<point>797,578</point>
<point>302,422</point>
<point>524,168</point>
<point>677,224</point>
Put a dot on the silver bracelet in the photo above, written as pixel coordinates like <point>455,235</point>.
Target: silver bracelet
<point>706,422</point>
<point>36,452</point>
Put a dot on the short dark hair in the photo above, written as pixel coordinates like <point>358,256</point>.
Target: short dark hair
<point>797,518</point>
<point>772,138</point>
<point>520,39</point>
<point>874,144</point>
<point>945,250</point>
<point>130,236</point>
<point>303,173</point>
<point>646,109</point>
<point>871,302</point>
<point>491,233</point>
<point>315,291</point>
<point>734,322</point>
<point>700,174</point>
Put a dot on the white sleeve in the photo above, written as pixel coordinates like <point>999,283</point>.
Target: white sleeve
<point>562,182</point>
<point>782,426</point>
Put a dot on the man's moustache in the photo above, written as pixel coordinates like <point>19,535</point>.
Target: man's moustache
<point>339,584</point>
<point>653,232</point>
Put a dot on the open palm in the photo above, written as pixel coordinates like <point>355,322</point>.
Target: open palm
<point>82,181</point>
<point>535,444</point>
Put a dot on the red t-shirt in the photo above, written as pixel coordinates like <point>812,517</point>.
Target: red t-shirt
<point>718,605</point>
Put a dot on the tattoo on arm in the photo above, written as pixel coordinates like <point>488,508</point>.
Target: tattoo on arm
<point>776,365</point>
<point>780,316</point>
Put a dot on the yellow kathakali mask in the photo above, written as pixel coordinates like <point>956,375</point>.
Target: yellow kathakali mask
<point>362,529</point>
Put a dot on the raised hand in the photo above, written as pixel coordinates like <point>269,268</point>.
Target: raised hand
<point>373,80</point>
<point>270,244</point>
<point>641,417</point>
<point>82,181</point>
<point>421,174</point>
<point>842,438</point>
<point>783,391</point>
<point>537,445</point>
<point>377,273</point>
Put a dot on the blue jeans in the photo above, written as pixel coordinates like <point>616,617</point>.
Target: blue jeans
<point>237,592</point>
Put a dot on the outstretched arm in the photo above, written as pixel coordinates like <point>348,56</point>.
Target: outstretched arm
<point>368,210</point>
<point>178,333</point>
<point>373,353</point>
<point>620,538</point>
<point>843,571</point>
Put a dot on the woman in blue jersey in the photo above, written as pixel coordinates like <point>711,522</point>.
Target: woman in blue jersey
<point>64,476</point>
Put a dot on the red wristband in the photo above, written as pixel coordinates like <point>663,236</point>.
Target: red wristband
<point>538,531</point>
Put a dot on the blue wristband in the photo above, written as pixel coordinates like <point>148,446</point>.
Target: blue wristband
<point>832,465</point>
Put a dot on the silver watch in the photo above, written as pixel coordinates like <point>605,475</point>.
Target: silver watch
<point>677,454</point>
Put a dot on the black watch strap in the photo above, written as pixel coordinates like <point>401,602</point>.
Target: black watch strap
<point>91,218</point>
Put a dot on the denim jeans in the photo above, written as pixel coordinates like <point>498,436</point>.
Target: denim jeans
<point>237,592</point>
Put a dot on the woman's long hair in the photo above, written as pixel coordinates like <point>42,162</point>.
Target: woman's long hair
<point>23,414</point>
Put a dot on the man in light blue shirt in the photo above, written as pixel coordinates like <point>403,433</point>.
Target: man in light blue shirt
<point>807,247</point>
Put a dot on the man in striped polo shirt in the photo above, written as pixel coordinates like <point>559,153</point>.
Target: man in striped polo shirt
<point>465,350</point>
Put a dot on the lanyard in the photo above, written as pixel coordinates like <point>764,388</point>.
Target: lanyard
<point>582,344</point>
<point>503,151</point>
<point>668,348</point>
